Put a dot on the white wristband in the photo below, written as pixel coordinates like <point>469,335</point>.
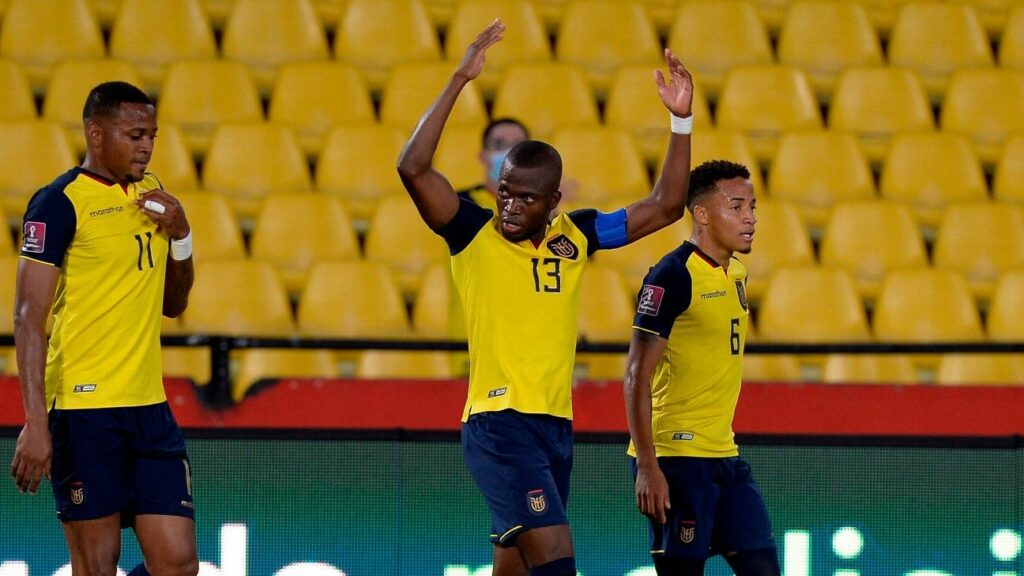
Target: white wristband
<point>682,125</point>
<point>182,249</point>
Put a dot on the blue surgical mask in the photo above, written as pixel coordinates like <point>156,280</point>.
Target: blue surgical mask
<point>497,161</point>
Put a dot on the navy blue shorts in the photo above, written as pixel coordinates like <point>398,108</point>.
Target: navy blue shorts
<point>521,463</point>
<point>716,508</point>
<point>127,460</point>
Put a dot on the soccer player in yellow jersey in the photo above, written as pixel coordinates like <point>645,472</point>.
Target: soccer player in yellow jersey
<point>518,274</point>
<point>109,251</point>
<point>681,387</point>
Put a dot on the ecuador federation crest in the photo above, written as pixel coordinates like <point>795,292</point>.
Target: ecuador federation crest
<point>537,501</point>
<point>77,493</point>
<point>687,532</point>
<point>741,292</point>
<point>561,246</point>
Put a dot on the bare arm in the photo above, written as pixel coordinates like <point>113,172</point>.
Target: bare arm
<point>430,190</point>
<point>180,274</point>
<point>667,201</point>
<point>36,284</point>
<point>645,350</point>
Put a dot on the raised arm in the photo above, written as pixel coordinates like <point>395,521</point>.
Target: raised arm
<point>645,350</point>
<point>430,190</point>
<point>36,284</point>
<point>667,201</point>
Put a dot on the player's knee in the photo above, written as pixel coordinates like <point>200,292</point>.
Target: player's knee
<point>763,562</point>
<point>560,567</point>
<point>672,566</point>
<point>94,566</point>
<point>184,566</point>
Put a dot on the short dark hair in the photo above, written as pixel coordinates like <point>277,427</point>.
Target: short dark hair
<point>705,177</point>
<point>498,122</point>
<point>537,154</point>
<point>104,99</point>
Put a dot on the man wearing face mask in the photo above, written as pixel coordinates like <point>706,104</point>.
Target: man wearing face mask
<point>500,135</point>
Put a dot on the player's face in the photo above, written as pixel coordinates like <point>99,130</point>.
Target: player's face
<point>731,215</point>
<point>125,142</point>
<point>526,197</point>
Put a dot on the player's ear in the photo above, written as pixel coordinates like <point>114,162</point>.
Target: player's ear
<point>553,199</point>
<point>700,213</point>
<point>93,132</point>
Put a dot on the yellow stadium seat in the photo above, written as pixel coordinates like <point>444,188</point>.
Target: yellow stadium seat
<point>258,365</point>
<point>632,261</point>
<point>310,97</point>
<point>1006,311</point>
<point>188,362</point>
<point>15,93</point>
<point>599,36</point>
<point>103,10</point>
<point>458,156</point>
<point>781,239</point>
<point>633,104</point>
<point>730,145</point>
<point>816,170</point>
<point>764,102</point>
<point>9,357</point>
<point>434,308</point>
<point>411,89</point>
<point>329,12</point>
<point>7,247</point>
<point>771,368</point>
<point>981,240</point>
<point>869,239</point>
<point>606,315</point>
<point>823,38</point>
<point>377,34</point>
<point>358,164</point>
<point>266,34</point>
<point>69,86</point>
<point>399,239</point>
<point>173,31</point>
<point>172,161</point>
<point>199,95</point>
<point>278,238</point>
<point>404,364</point>
<point>882,13</point>
<point>876,102</point>
<point>711,51</point>
<point>217,11</point>
<point>9,269</point>
<point>981,370</point>
<point>1008,183</point>
<point>928,171</point>
<point>869,369</point>
<point>809,304</point>
<point>32,154</point>
<point>352,300</point>
<point>985,105</point>
<point>604,164</point>
<point>248,161</point>
<point>1011,44</point>
<point>545,97</point>
<point>217,306</point>
<point>936,38</point>
<point>215,231</point>
<point>524,40</point>
<point>39,34</point>
<point>994,14</point>
<point>926,305</point>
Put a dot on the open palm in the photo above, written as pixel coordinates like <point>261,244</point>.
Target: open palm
<point>676,93</point>
<point>473,62</point>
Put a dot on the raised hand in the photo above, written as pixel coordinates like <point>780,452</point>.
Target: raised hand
<point>473,61</point>
<point>676,95</point>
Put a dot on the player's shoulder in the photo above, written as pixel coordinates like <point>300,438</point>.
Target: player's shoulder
<point>56,192</point>
<point>672,267</point>
<point>736,267</point>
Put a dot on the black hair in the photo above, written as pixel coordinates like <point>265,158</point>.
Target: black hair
<point>537,154</point>
<point>705,177</point>
<point>498,122</point>
<point>104,99</point>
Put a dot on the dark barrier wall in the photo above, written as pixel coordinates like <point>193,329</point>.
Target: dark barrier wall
<point>323,507</point>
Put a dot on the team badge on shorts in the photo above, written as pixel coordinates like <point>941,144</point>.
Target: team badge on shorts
<point>561,246</point>
<point>77,493</point>
<point>538,502</point>
<point>687,532</point>
<point>741,291</point>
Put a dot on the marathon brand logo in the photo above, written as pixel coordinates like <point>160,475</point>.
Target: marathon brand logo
<point>34,238</point>
<point>561,246</point>
<point>650,300</point>
<point>105,211</point>
<point>710,295</point>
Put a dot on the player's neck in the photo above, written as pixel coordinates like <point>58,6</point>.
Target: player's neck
<point>711,249</point>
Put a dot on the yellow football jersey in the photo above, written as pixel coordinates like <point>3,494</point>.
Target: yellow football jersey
<point>701,309</point>
<point>521,304</point>
<point>104,350</point>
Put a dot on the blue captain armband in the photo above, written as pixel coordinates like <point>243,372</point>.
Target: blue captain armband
<point>611,229</point>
